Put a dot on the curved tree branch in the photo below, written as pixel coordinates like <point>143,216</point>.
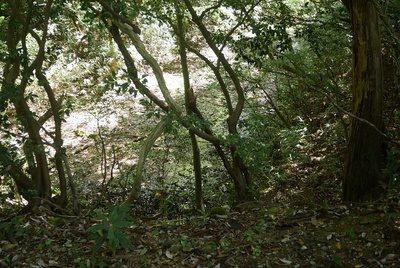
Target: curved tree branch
<point>148,143</point>
<point>134,27</point>
<point>153,64</point>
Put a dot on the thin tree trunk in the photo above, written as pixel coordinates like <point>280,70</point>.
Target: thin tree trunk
<point>240,179</point>
<point>137,183</point>
<point>58,142</point>
<point>190,105</point>
<point>241,176</point>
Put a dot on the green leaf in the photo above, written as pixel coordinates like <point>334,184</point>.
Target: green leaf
<point>95,228</point>
<point>123,224</point>
<point>123,240</point>
<point>143,251</point>
<point>111,234</point>
<point>4,225</point>
<point>103,218</point>
<point>98,243</point>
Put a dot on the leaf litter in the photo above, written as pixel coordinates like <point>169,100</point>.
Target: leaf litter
<point>258,235</point>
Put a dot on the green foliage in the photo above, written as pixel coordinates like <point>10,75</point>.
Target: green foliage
<point>247,235</point>
<point>142,256</point>
<point>45,245</point>
<point>392,166</point>
<point>184,243</point>
<point>218,210</point>
<point>110,228</point>
<point>351,232</point>
<point>17,227</point>
<point>256,251</point>
<point>284,50</point>
<point>121,84</point>
<point>15,221</point>
<point>268,36</point>
<point>57,221</point>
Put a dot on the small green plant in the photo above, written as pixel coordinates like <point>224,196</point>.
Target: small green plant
<point>46,244</point>
<point>260,226</point>
<point>224,244</point>
<point>248,235</point>
<point>256,251</point>
<point>185,243</point>
<point>17,227</point>
<point>219,211</point>
<point>68,244</point>
<point>95,262</point>
<point>211,263</point>
<point>351,232</point>
<point>75,253</point>
<point>209,247</point>
<point>143,259</point>
<point>110,229</point>
<point>57,221</point>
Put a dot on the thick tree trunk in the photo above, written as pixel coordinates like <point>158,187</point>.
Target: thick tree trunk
<point>362,170</point>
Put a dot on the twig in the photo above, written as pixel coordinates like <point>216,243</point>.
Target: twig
<point>351,114</point>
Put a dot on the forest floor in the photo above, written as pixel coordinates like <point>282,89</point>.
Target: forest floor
<point>254,234</point>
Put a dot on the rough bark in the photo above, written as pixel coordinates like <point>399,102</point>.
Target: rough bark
<point>362,170</point>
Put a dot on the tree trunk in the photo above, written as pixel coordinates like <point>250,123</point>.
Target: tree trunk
<point>17,73</point>
<point>148,143</point>
<point>191,108</point>
<point>58,142</point>
<point>240,174</point>
<point>362,170</point>
<point>237,170</point>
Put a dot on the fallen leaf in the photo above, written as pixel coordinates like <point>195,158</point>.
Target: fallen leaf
<point>166,262</point>
<point>169,254</point>
<point>314,221</point>
<point>359,255</point>
<point>230,261</point>
<point>286,261</point>
<point>341,255</point>
<point>388,258</point>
